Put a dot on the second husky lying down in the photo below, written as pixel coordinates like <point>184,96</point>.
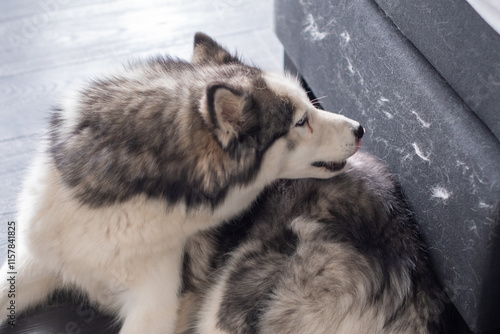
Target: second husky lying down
<point>314,256</point>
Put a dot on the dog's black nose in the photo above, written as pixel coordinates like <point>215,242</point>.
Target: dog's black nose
<point>359,132</point>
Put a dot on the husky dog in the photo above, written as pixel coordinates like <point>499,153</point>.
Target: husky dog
<point>314,257</point>
<point>136,162</point>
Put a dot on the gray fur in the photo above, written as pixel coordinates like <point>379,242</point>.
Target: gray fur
<point>317,256</point>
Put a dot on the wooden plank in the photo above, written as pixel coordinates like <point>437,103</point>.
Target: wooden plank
<point>10,10</point>
<point>26,98</point>
<point>100,30</point>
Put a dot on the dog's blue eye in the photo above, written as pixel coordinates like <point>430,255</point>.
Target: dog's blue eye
<point>302,121</point>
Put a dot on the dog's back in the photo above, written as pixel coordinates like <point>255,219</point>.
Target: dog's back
<point>315,256</point>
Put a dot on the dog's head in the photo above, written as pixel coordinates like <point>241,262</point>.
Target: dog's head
<point>269,120</point>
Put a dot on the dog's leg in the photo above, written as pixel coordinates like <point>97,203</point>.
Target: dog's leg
<point>151,305</point>
<point>25,286</point>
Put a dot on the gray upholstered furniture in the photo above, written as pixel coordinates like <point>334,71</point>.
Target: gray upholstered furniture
<point>423,78</point>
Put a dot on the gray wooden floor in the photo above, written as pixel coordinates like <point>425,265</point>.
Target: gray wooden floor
<point>47,45</point>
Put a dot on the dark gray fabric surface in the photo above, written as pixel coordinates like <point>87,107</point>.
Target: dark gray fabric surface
<point>462,47</point>
<point>446,158</point>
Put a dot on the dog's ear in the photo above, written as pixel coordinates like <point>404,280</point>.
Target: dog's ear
<point>226,106</point>
<point>206,50</point>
